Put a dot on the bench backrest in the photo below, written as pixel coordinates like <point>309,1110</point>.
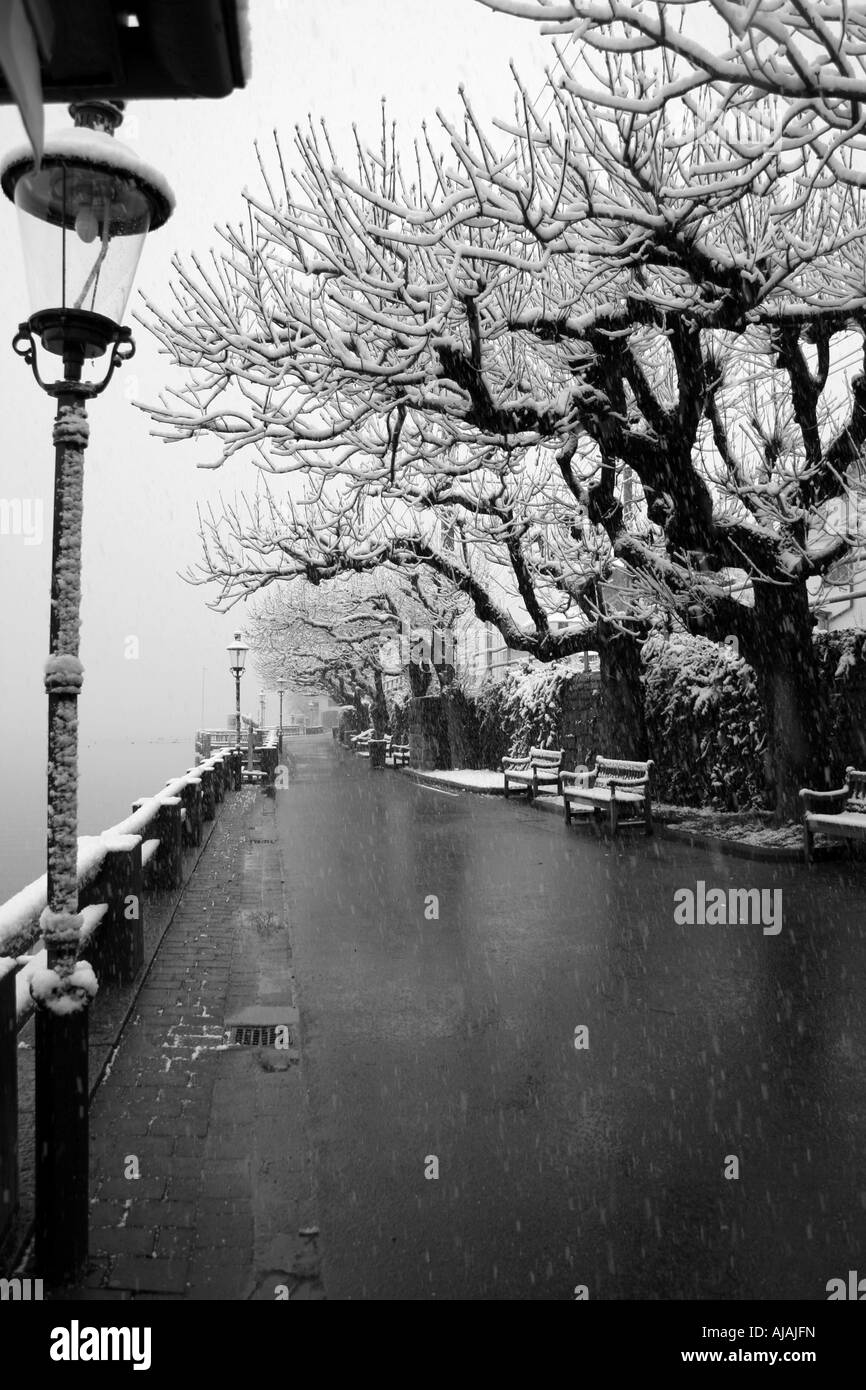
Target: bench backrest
<point>621,770</point>
<point>856,780</point>
<point>548,758</point>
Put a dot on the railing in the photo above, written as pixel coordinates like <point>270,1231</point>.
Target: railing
<point>210,741</point>
<point>116,870</point>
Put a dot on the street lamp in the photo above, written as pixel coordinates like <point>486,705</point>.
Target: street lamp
<point>281,688</point>
<point>237,660</point>
<point>83,216</point>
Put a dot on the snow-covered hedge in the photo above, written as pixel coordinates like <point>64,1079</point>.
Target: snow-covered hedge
<point>399,719</point>
<point>842,665</point>
<point>704,724</point>
<point>509,716</point>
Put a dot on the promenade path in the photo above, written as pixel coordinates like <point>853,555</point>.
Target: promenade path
<point>215,1132</point>
<point>441,1127</point>
<point>446,947</point>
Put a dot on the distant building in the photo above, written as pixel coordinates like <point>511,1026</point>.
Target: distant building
<point>842,601</point>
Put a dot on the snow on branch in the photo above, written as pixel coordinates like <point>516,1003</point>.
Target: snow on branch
<point>606,336</point>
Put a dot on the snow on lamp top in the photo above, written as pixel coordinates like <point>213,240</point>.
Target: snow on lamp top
<point>84,214</point>
<point>237,651</point>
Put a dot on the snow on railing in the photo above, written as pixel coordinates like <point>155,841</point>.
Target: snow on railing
<point>19,915</point>
<point>110,876</point>
<point>35,964</point>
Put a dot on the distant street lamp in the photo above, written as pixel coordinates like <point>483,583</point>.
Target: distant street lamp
<point>281,687</point>
<point>83,214</point>
<point>237,660</point>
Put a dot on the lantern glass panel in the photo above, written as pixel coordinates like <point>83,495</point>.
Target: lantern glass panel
<point>237,655</point>
<point>83,229</point>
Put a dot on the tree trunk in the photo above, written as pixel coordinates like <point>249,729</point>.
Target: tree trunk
<point>787,674</point>
<point>379,708</point>
<point>623,717</point>
<point>362,712</point>
<point>420,677</point>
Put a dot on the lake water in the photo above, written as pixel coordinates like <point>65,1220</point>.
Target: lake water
<point>114,772</point>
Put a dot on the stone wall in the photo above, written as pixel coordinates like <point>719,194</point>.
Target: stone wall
<point>583,731</point>
<point>429,745</point>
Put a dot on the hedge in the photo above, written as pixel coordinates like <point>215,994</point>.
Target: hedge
<point>704,720</point>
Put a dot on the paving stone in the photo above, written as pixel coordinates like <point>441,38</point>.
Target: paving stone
<point>308,1290</point>
<point>215,1232</point>
<point>143,1275</point>
<point>123,1240</point>
<point>188,1146</point>
<point>173,1242</point>
<point>217,1208</point>
<point>160,1214</point>
<point>214,1257</point>
<point>216,1282</point>
<point>105,1214</point>
<point>81,1295</point>
<point>141,1189</point>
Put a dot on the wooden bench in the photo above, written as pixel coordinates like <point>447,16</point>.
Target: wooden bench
<point>540,768</point>
<point>840,814</point>
<point>616,783</point>
<point>359,742</point>
<point>398,753</point>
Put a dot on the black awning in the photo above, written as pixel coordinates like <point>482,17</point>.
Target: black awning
<point>137,49</point>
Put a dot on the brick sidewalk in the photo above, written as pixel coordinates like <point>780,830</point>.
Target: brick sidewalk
<point>215,1131</point>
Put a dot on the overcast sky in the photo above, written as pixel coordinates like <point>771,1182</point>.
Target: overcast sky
<point>335,60</point>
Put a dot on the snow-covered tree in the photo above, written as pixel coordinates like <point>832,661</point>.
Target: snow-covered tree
<point>809,56</point>
<point>319,346</point>
<point>592,297</point>
<point>698,293</point>
<point>343,636</point>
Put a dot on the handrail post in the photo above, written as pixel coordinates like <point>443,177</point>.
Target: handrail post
<point>208,800</point>
<point>167,827</point>
<point>117,951</point>
<point>268,763</point>
<point>191,799</point>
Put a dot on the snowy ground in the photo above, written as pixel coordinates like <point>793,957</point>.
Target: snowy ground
<point>478,779</point>
<point>749,827</point>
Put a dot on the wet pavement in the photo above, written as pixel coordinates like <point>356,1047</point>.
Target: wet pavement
<point>447,1044</point>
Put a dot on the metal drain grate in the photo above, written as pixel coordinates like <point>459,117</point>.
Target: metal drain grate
<point>261,1026</point>
<point>261,1037</point>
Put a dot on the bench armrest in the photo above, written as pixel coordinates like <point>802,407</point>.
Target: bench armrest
<point>514,764</point>
<point>814,800</point>
<point>582,779</point>
<point>824,799</point>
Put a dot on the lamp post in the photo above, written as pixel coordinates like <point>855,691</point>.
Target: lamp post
<point>83,214</point>
<point>281,688</point>
<point>237,660</point>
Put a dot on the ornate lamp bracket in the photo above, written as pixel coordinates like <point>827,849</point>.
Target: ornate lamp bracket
<point>119,339</point>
